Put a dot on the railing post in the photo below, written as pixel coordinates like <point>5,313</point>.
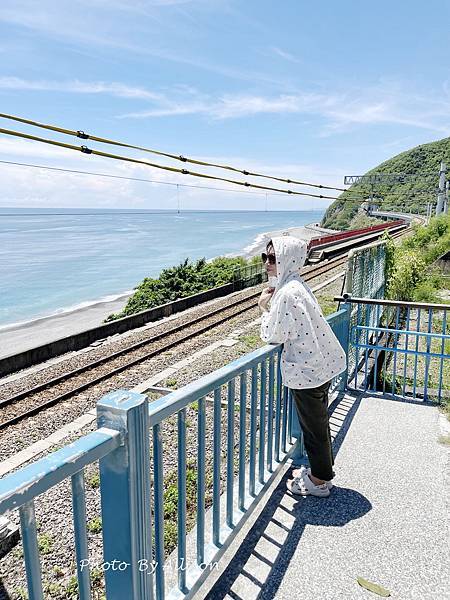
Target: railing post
<point>125,498</point>
<point>345,343</point>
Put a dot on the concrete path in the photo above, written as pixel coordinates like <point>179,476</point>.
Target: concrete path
<point>386,520</point>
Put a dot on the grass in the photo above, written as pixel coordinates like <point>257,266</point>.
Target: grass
<point>251,341</point>
<point>95,525</point>
<point>72,588</point>
<point>69,590</point>
<point>53,590</point>
<point>170,503</point>
<point>96,575</point>
<point>327,305</point>
<point>58,571</point>
<point>45,543</point>
<point>18,553</point>
<point>94,480</point>
<point>21,593</point>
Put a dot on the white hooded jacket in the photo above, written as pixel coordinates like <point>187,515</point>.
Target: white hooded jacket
<point>312,354</point>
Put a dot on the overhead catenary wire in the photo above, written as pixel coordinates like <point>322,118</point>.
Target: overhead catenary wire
<point>170,183</point>
<point>86,150</point>
<point>139,179</point>
<point>179,157</point>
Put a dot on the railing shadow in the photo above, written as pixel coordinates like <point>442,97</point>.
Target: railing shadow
<point>347,404</point>
<point>271,531</point>
<point>395,398</point>
<point>4,594</point>
<point>257,569</point>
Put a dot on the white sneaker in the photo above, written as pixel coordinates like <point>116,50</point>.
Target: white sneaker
<point>303,469</point>
<point>303,486</point>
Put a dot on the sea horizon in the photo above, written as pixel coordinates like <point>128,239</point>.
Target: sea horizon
<point>57,262</point>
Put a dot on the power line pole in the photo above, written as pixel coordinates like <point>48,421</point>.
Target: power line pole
<point>447,192</point>
<point>441,192</point>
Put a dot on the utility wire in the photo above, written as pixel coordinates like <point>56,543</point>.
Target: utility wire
<point>179,157</point>
<point>170,183</point>
<point>141,179</point>
<point>86,150</point>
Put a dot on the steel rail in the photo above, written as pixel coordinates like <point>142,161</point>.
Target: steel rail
<point>91,365</point>
<point>106,375</point>
<point>308,274</point>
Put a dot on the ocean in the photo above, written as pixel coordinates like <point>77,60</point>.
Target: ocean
<point>58,260</point>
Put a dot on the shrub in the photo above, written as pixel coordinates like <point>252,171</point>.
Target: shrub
<point>407,273</point>
<point>186,279</point>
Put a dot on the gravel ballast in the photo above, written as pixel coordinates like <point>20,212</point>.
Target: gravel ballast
<point>53,509</point>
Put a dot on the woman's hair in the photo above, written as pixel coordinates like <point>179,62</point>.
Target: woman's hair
<point>269,246</point>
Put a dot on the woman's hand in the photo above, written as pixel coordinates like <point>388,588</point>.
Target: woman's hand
<point>264,299</point>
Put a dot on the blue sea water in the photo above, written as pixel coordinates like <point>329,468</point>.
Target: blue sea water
<point>52,260</point>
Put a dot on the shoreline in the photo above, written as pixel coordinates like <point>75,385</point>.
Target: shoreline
<point>302,232</point>
<point>71,310</point>
<point>16,337</point>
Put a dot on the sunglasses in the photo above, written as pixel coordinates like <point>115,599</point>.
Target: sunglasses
<point>268,257</point>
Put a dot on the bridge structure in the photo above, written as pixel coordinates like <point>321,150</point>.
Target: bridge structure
<point>373,179</point>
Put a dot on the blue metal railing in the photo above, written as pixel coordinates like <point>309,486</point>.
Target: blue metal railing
<point>401,348</point>
<point>246,429</point>
<point>18,491</point>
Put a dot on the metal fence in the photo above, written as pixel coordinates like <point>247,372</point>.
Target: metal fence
<point>365,279</point>
<point>401,348</point>
<point>244,428</point>
<point>249,275</point>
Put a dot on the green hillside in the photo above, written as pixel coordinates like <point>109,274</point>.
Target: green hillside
<point>410,195</point>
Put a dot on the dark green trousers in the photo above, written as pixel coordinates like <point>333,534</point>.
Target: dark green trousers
<point>312,410</point>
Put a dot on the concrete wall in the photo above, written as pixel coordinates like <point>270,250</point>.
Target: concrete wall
<point>37,355</point>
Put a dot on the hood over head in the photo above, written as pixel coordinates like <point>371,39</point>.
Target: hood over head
<point>290,254</point>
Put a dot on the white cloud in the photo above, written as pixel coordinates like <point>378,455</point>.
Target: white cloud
<point>12,148</point>
<point>79,87</point>
<point>26,186</point>
<point>399,110</point>
<point>339,111</point>
<point>286,55</point>
<point>227,107</point>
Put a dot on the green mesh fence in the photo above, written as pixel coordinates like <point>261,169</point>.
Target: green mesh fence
<point>248,276</point>
<point>365,279</point>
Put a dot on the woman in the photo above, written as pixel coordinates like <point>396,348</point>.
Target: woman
<point>311,357</point>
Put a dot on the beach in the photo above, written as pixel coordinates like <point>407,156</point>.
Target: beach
<point>19,337</point>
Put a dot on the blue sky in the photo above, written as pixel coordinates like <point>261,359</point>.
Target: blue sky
<point>311,91</point>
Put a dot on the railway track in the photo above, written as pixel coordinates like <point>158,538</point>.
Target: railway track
<point>33,400</point>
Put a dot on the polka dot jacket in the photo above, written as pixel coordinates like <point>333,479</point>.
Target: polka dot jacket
<point>312,354</point>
